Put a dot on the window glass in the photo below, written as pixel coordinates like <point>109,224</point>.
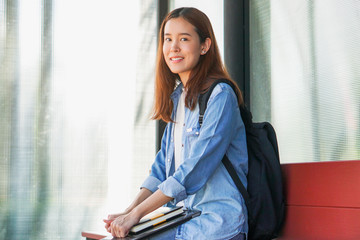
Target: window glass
<point>76,88</point>
<point>305,76</point>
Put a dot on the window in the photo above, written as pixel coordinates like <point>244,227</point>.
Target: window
<point>305,76</point>
<point>76,91</point>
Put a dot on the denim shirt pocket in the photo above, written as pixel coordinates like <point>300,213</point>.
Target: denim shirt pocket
<point>191,135</point>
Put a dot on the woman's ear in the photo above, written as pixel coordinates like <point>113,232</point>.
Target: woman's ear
<point>205,46</point>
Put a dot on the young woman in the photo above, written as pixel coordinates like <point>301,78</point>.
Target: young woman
<point>188,170</point>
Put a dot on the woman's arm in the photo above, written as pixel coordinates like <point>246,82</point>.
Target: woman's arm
<point>121,226</point>
<point>152,203</point>
<point>142,195</point>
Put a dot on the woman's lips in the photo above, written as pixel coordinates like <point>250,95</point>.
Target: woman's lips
<point>176,59</point>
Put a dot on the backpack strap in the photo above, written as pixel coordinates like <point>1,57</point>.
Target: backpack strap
<point>247,118</point>
<point>230,168</point>
<point>204,98</point>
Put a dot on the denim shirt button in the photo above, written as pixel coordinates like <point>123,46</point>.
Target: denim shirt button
<point>168,159</point>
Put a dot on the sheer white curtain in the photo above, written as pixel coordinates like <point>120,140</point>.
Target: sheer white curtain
<point>305,77</point>
<point>76,91</point>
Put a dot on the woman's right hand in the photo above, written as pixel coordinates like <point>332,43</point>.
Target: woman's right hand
<point>111,218</point>
<point>121,225</point>
<point>143,194</point>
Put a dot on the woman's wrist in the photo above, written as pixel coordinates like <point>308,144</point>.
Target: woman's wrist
<point>129,209</point>
<point>136,213</point>
<point>143,194</point>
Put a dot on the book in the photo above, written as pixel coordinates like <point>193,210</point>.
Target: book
<point>169,223</point>
<point>156,217</point>
<point>174,221</point>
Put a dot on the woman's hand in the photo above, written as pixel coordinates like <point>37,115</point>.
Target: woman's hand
<point>119,225</point>
<point>110,219</point>
<point>142,195</point>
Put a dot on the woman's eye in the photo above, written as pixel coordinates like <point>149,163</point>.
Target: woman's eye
<point>167,39</point>
<point>183,39</point>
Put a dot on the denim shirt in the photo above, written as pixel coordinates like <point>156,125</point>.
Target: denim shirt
<point>201,180</point>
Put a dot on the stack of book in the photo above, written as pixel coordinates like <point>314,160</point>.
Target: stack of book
<point>157,221</point>
<point>156,217</point>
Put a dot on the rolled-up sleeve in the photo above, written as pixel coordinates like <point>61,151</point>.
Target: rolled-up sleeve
<point>151,183</point>
<point>172,188</point>
<point>207,151</point>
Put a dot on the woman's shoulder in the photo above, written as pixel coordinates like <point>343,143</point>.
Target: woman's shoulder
<point>223,89</point>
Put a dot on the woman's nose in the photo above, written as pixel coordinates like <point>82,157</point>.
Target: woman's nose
<point>175,46</point>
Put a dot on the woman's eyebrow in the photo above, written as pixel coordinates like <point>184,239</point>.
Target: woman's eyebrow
<point>180,34</point>
<point>187,34</point>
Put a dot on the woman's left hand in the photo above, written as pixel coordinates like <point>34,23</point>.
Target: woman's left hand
<point>121,226</point>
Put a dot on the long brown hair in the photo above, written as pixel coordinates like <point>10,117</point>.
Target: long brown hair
<point>208,69</point>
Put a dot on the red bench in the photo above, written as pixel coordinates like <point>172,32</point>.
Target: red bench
<point>322,201</point>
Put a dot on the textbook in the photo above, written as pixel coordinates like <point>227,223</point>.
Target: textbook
<point>179,216</point>
<point>156,217</point>
<point>167,224</point>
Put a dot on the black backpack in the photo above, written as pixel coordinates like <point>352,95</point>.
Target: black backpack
<point>264,197</point>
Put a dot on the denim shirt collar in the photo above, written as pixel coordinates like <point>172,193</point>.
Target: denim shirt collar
<point>177,92</point>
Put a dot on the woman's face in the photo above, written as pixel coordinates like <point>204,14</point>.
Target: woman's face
<point>182,47</point>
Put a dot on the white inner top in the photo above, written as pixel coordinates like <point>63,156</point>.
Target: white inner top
<point>179,125</point>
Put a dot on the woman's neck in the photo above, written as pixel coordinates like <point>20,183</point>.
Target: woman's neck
<point>184,77</point>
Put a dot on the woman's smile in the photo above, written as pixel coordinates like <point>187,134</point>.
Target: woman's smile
<point>176,59</point>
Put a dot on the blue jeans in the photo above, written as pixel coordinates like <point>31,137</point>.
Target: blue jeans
<point>170,235</point>
<point>167,235</point>
<point>240,236</point>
